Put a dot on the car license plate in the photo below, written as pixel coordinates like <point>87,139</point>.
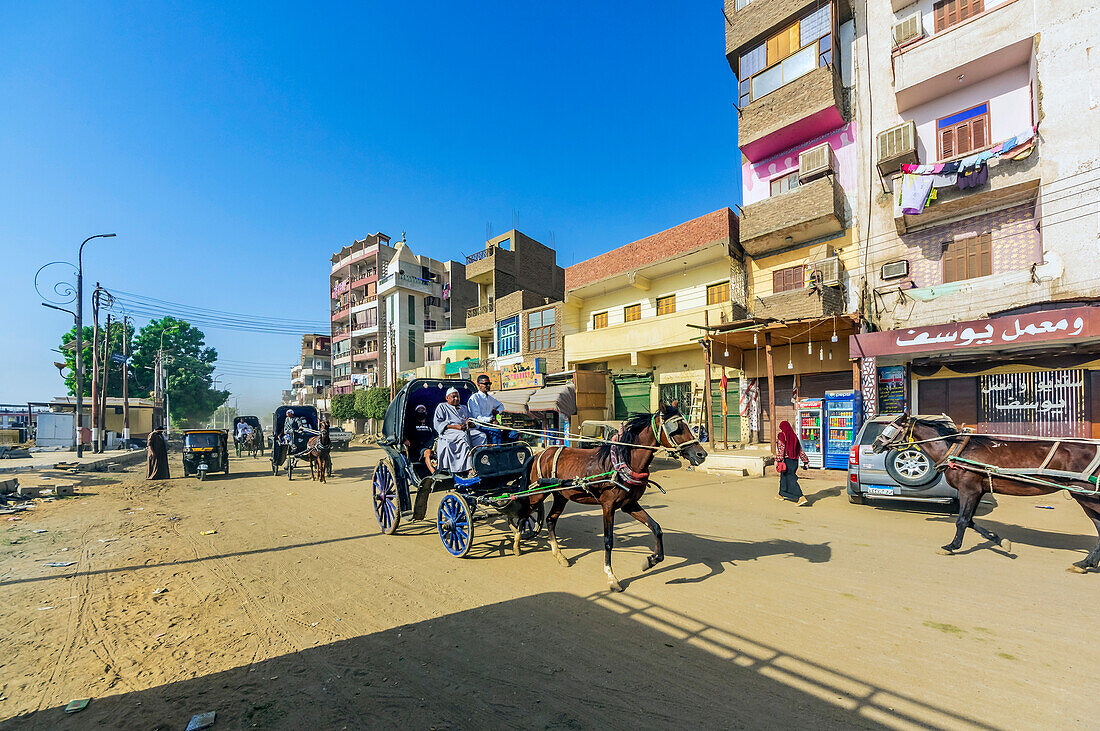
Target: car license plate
<point>878,490</point>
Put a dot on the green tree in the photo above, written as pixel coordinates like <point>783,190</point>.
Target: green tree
<point>375,401</point>
<point>343,406</point>
<point>188,365</point>
<point>114,379</point>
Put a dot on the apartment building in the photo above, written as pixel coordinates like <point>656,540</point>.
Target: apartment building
<point>313,374</point>
<point>985,296</point>
<point>515,277</point>
<point>638,312</point>
<point>800,215</point>
<point>383,300</point>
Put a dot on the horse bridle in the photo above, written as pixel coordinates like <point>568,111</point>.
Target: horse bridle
<point>663,429</point>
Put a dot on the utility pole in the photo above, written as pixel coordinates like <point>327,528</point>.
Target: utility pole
<point>103,392</point>
<point>125,392</point>
<point>95,367</point>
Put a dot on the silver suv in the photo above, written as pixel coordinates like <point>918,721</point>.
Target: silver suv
<point>897,474</point>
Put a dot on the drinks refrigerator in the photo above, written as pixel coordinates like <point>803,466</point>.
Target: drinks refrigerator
<point>811,422</point>
<point>843,418</point>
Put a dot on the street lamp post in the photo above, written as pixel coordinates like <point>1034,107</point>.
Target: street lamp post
<point>161,382</point>
<point>80,341</point>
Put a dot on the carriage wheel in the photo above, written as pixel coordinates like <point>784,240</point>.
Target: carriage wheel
<point>531,526</point>
<point>387,509</point>
<point>290,467</point>
<point>456,524</point>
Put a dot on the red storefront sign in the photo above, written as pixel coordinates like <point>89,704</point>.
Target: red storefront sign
<point>1051,326</point>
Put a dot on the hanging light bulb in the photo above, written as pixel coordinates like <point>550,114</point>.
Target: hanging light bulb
<point>754,339</point>
<point>726,352</point>
<point>809,348</point>
<point>821,353</point>
<point>790,355</point>
<point>834,336</point>
<point>830,353</point>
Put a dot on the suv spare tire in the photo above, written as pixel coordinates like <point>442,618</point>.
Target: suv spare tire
<point>910,467</point>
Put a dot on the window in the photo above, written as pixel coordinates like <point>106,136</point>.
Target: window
<point>433,352</point>
<point>632,313</point>
<point>666,305</point>
<point>430,326</point>
<point>784,183</point>
<point>963,132</point>
<point>789,54</point>
<point>599,320</point>
<point>540,329</point>
<point>953,12</point>
<point>412,309</point>
<point>371,317</point>
<point>784,280</point>
<point>968,258</point>
<point>508,336</point>
<point>718,293</point>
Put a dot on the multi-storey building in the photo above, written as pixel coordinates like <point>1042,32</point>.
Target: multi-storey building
<point>514,274</point>
<point>638,312</point>
<point>801,177</point>
<point>985,296</point>
<point>313,373</point>
<point>383,300</point>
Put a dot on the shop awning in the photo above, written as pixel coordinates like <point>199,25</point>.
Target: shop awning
<point>561,398</point>
<point>515,401</point>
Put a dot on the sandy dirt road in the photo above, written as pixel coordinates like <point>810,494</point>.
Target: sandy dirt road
<point>297,613</point>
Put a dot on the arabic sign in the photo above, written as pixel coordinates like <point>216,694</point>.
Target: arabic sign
<point>1075,323</point>
<point>528,374</point>
<point>1044,404</point>
<point>891,389</point>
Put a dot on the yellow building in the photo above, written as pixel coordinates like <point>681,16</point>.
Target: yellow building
<point>638,313</point>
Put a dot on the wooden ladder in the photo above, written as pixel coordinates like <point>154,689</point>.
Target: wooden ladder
<point>697,412</point>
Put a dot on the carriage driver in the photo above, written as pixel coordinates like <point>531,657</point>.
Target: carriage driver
<point>451,422</point>
<point>483,408</point>
<point>244,430</point>
<point>291,428</point>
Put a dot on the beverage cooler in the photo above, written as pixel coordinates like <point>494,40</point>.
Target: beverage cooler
<point>843,418</point>
<point>811,419</point>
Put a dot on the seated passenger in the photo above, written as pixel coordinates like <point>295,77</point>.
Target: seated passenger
<point>451,419</point>
<point>419,437</point>
<point>484,408</point>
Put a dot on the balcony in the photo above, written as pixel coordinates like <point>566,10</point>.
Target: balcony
<point>341,314</point>
<point>340,358</point>
<point>979,48</point>
<point>800,303</point>
<point>808,212</point>
<point>752,23</point>
<point>480,320</point>
<point>393,282</point>
<point>650,335</point>
<point>480,267</point>
<point>807,107</point>
<point>1010,181</point>
<point>360,355</point>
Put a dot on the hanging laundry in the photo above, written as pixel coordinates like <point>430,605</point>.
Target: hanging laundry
<point>1008,145</point>
<point>944,180</point>
<point>915,190</point>
<point>967,163</point>
<point>909,168</point>
<point>950,168</point>
<point>973,178</point>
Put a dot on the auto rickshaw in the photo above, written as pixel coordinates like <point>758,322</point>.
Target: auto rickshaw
<point>205,450</point>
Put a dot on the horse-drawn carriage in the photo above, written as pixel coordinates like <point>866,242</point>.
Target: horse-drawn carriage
<point>281,452</point>
<point>252,443</point>
<point>499,471</point>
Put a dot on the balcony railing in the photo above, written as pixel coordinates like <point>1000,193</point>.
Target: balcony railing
<point>479,310</point>
<point>483,254</point>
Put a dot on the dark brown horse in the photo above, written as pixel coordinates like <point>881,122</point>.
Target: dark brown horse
<point>317,453</point>
<point>972,464</point>
<point>622,472</point>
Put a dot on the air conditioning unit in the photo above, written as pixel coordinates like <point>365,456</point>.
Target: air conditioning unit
<point>908,29</point>
<point>895,269</point>
<point>816,162</point>
<point>897,146</point>
<point>826,271</point>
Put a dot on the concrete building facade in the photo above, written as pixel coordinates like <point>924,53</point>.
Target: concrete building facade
<point>1011,90</point>
<point>312,376</point>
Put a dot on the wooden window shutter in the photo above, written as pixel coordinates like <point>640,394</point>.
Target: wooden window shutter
<point>963,142</point>
<point>941,15</point>
<point>979,132</point>
<point>948,264</point>
<point>947,143</point>
<point>984,245</point>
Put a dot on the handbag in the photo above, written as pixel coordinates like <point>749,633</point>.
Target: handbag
<point>780,466</point>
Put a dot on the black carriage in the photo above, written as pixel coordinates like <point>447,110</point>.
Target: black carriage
<point>281,452</point>
<point>257,434</point>
<point>498,471</point>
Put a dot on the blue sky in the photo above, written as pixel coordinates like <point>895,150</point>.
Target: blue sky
<point>232,147</point>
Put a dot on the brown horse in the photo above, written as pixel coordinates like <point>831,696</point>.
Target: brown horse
<point>317,453</point>
<point>972,464</point>
<point>622,475</point>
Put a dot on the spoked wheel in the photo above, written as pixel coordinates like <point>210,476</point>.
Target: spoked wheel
<point>455,520</point>
<point>531,526</point>
<point>387,508</point>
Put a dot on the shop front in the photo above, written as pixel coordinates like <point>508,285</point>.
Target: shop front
<point>1034,373</point>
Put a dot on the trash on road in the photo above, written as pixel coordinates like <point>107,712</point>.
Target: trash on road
<point>201,721</point>
<point>1045,507</point>
<point>61,564</point>
<point>42,609</point>
<point>158,592</point>
<point>39,530</point>
<point>207,532</point>
<point>78,705</point>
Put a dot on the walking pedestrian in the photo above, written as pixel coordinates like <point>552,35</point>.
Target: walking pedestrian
<point>788,453</point>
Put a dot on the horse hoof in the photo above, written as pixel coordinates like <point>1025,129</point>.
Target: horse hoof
<point>614,586</point>
<point>1006,544</point>
<point>564,561</point>
<point>945,552</point>
<point>1075,569</point>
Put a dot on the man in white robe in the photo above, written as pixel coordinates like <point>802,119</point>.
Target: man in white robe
<point>483,408</point>
<point>450,421</point>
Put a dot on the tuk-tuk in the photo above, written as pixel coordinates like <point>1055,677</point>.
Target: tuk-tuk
<point>257,444</point>
<point>205,450</point>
